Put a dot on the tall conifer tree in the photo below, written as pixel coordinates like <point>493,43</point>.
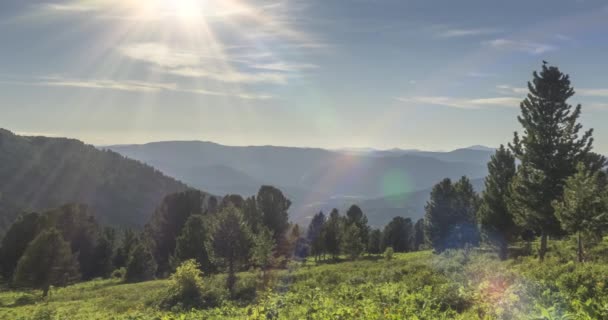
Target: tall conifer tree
<point>549,150</point>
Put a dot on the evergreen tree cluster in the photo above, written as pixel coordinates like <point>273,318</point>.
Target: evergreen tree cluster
<point>351,235</point>
<point>547,183</point>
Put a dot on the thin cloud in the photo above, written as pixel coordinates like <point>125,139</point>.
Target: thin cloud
<point>458,33</point>
<point>474,74</point>
<point>209,65</point>
<point>160,55</point>
<point>231,76</point>
<point>285,67</point>
<point>592,92</point>
<point>585,92</point>
<point>132,86</point>
<point>462,103</point>
<point>530,47</point>
<point>73,7</point>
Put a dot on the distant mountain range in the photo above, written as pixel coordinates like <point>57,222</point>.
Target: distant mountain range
<point>37,173</point>
<point>385,183</point>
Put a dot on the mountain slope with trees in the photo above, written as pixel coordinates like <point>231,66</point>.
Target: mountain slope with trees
<point>39,173</point>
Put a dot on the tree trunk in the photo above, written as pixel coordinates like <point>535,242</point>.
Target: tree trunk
<point>503,251</point>
<point>231,280</point>
<point>45,290</point>
<point>543,247</point>
<point>580,248</point>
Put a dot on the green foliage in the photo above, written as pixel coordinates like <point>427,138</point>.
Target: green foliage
<point>314,235</point>
<point>584,206</point>
<point>46,262</point>
<point>332,233</point>
<point>15,241</point>
<point>230,243</point>
<point>263,248</point>
<point>352,241</point>
<point>190,244</point>
<point>185,287</point>
<point>450,215</point>
<point>497,223</point>
<point>273,206</point>
<point>375,242</point>
<point>419,240</point>
<point>549,151</point>
<point>355,215</point>
<point>457,284</point>
<point>169,220</point>
<point>141,265</point>
<point>389,253</point>
<point>399,235</point>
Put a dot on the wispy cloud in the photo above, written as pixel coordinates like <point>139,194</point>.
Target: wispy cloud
<point>457,33</point>
<point>592,92</point>
<point>108,84</point>
<point>462,103</point>
<point>474,74</point>
<point>67,7</point>
<point>285,67</point>
<point>231,76</point>
<point>160,55</point>
<point>530,47</point>
<point>230,67</point>
<point>585,92</point>
<point>131,86</point>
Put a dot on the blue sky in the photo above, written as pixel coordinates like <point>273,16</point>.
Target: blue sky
<point>424,74</point>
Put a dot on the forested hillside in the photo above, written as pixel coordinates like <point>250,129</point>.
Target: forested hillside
<point>39,173</point>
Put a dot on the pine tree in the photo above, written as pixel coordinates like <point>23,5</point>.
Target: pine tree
<point>418,234</point>
<point>352,243</point>
<point>15,241</point>
<point>230,243</point>
<point>46,262</point>
<point>399,234</point>
<point>437,217</point>
<point>332,233</point>
<point>263,250</point>
<point>190,244</point>
<point>141,265</point>
<point>496,220</point>
<point>548,150</point>
<point>103,254</point>
<point>355,215</point>
<point>584,208</point>
<point>374,245</point>
<point>273,206</point>
<point>450,215</point>
<point>314,235</point>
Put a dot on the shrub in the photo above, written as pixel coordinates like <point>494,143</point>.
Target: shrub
<point>389,253</point>
<point>186,287</point>
<point>119,273</point>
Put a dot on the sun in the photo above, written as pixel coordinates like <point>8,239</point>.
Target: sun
<point>186,10</point>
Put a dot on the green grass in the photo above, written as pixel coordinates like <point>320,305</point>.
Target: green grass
<point>418,285</point>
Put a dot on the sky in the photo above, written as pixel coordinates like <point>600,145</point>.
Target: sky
<point>423,74</point>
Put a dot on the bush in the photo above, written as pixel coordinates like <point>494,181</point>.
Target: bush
<point>185,288</point>
<point>389,253</point>
<point>119,273</point>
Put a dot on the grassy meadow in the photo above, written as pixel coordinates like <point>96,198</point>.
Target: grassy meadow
<point>459,284</point>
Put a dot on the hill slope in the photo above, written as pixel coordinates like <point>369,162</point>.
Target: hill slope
<point>39,173</point>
